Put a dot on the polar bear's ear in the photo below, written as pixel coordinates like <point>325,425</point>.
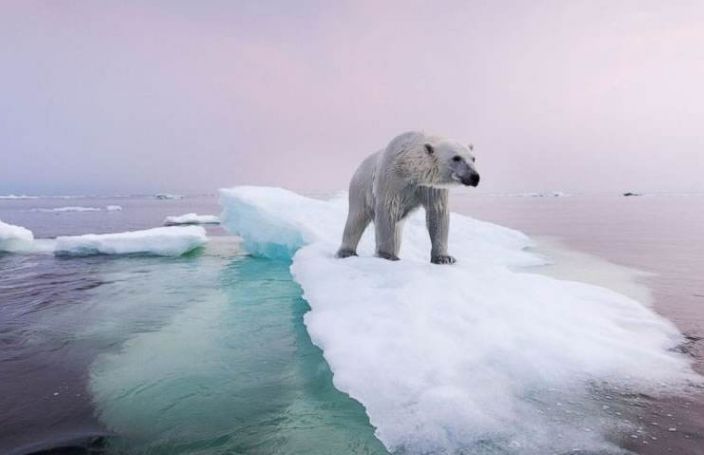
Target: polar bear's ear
<point>429,148</point>
<point>471,147</point>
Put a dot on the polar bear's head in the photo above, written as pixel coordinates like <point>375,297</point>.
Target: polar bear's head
<point>453,162</point>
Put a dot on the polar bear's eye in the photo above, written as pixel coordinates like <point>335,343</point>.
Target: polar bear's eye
<point>474,160</point>
<point>456,158</point>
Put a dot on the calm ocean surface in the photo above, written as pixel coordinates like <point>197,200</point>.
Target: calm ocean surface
<point>207,353</point>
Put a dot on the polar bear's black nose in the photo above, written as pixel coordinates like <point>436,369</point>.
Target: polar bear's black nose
<point>471,179</point>
<point>475,179</point>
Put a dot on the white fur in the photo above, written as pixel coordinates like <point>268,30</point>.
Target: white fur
<point>414,170</point>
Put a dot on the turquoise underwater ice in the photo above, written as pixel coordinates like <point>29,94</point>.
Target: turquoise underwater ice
<point>228,367</point>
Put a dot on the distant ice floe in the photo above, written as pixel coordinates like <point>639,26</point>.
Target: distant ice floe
<point>15,238</point>
<point>547,194</point>
<point>544,194</point>
<point>477,357</point>
<point>191,218</point>
<point>109,208</point>
<point>171,241</point>
<point>68,209</point>
<point>17,196</point>
<point>168,196</point>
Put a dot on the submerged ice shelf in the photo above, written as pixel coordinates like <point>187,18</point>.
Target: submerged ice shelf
<point>467,357</point>
<point>213,358</point>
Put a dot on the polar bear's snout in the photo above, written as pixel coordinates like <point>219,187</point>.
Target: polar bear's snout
<point>463,172</point>
<point>470,180</point>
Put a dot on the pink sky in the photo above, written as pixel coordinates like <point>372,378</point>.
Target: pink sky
<point>128,96</point>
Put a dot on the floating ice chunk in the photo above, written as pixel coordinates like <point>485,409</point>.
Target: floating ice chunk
<point>17,196</point>
<point>15,238</point>
<point>68,209</point>
<point>168,196</point>
<point>191,218</point>
<point>547,194</point>
<point>464,358</point>
<point>165,241</point>
<point>109,208</point>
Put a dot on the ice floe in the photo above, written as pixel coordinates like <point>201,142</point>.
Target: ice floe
<point>478,357</point>
<point>17,196</point>
<point>68,209</point>
<point>168,196</point>
<point>80,209</point>
<point>191,218</point>
<point>547,194</point>
<point>164,241</point>
<point>15,238</point>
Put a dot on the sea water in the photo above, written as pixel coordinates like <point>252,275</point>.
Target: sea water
<point>205,353</point>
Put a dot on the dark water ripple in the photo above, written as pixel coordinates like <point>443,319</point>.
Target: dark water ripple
<point>44,400</point>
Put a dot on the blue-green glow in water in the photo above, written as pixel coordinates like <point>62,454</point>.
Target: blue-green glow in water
<point>230,369</point>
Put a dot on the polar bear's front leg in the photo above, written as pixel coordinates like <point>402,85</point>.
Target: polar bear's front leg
<point>387,233</point>
<point>437,218</point>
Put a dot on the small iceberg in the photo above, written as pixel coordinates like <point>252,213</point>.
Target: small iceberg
<point>68,209</point>
<point>191,218</point>
<point>478,357</point>
<point>164,241</point>
<point>15,238</point>
<point>547,194</point>
<point>164,196</point>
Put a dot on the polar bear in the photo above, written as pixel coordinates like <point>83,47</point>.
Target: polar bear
<point>414,169</point>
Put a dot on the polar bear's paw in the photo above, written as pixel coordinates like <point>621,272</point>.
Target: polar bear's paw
<point>345,253</point>
<point>387,256</point>
<point>443,259</point>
